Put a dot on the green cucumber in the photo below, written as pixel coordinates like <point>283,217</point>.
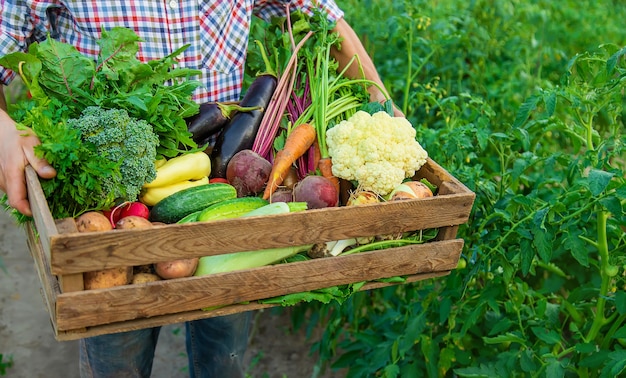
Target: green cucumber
<point>231,208</point>
<point>176,206</point>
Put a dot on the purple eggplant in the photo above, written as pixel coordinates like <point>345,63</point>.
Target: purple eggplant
<point>240,131</point>
<point>212,117</point>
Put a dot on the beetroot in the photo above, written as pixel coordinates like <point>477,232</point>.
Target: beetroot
<point>317,191</point>
<point>282,195</point>
<point>248,172</point>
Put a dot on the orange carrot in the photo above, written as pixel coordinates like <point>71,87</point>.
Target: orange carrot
<point>297,143</point>
<point>325,166</point>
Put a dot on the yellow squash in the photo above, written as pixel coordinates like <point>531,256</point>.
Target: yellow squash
<point>190,166</point>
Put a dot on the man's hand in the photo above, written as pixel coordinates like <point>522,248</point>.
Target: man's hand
<point>16,152</point>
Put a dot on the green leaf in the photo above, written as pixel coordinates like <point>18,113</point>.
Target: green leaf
<point>507,337</point>
<point>577,247</point>
<point>525,109</point>
<point>585,347</point>
<point>550,102</point>
<point>598,181</point>
<point>554,369</point>
<point>64,68</point>
<point>476,371</point>
<point>550,337</point>
<point>543,242</point>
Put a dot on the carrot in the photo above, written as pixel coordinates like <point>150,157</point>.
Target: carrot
<point>297,143</point>
<point>325,166</point>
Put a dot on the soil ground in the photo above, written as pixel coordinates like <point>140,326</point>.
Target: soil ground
<point>26,336</point>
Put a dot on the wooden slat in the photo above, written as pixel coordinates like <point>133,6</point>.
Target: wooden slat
<point>44,222</point>
<point>49,284</point>
<point>69,282</point>
<point>161,320</point>
<point>73,253</point>
<point>96,307</point>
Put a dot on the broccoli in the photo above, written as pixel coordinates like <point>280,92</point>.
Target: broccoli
<point>120,138</point>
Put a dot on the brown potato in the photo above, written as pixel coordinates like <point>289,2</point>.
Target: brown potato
<point>132,221</point>
<point>107,278</point>
<point>145,277</point>
<point>93,221</point>
<point>176,268</point>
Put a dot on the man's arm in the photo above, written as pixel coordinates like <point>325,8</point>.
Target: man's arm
<point>351,46</point>
<point>16,152</point>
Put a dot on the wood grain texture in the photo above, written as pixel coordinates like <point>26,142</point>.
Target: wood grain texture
<point>74,253</point>
<point>161,320</point>
<point>96,307</point>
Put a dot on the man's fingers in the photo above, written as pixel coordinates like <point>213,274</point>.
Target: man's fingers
<point>41,166</point>
<point>16,192</point>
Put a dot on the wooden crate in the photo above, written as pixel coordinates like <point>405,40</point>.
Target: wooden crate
<point>61,255</point>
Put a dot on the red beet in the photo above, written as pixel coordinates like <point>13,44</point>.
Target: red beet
<point>248,172</point>
<point>317,191</point>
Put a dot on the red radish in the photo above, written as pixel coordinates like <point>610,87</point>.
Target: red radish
<point>317,191</point>
<point>112,215</point>
<point>126,209</point>
<point>135,208</point>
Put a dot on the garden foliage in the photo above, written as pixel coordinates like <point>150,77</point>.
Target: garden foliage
<point>524,102</point>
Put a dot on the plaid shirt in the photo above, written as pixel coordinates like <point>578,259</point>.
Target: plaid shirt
<point>217,31</point>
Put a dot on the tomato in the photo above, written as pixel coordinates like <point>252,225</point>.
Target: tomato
<point>462,264</point>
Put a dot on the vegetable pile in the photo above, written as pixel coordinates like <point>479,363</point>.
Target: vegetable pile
<point>63,83</point>
<point>131,148</point>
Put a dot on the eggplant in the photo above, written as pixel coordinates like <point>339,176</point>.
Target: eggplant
<point>211,118</point>
<point>241,130</point>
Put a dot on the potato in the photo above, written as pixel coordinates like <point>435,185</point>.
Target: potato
<point>132,221</point>
<point>92,221</point>
<point>145,277</point>
<point>107,278</point>
<point>176,268</point>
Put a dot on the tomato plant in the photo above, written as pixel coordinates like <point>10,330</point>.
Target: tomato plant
<point>524,103</point>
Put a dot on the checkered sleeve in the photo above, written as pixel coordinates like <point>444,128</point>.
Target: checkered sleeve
<point>15,30</point>
<point>266,9</point>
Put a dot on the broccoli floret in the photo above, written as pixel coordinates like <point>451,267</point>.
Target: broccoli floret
<point>121,138</point>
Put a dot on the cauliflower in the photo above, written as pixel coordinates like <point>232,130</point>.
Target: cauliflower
<point>124,139</point>
<point>378,151</point>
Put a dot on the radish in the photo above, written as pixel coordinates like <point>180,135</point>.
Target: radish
<point>126,209</point>
<point>317,191</point>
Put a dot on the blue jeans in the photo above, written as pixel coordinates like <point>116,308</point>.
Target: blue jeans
<point>215,348</point>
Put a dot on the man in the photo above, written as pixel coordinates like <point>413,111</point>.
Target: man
<point>217,32</point>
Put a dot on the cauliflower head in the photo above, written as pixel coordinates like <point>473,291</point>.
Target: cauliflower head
<point>121,138</point>
<point>378,151</point>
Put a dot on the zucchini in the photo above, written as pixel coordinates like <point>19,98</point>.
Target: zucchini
<point>231,208</point>
<point>176,206</point>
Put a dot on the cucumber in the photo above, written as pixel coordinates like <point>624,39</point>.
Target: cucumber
<point>175,207</point>
<point>231,208</point>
